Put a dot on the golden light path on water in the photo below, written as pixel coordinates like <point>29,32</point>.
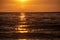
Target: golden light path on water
<point>20,28</point>
<point>22,39</point>
<point>28,39</point>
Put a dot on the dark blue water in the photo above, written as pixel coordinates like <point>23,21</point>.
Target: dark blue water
<point>29,26</point>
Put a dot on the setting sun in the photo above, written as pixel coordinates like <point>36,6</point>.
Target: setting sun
<point>23,1</point>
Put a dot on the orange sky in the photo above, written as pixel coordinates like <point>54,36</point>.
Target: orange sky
<point>30,6</point>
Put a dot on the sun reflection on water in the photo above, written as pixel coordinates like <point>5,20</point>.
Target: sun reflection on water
<point>22,39</point>
<point>21,28</point>
<point>22,17</point>
<point>30,39</point>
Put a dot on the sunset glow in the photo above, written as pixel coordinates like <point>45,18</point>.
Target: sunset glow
<point>29,6</point>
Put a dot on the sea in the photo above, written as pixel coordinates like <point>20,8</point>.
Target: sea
<point>29,25</point>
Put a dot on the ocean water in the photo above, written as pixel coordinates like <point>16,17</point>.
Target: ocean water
<point>29,25</point>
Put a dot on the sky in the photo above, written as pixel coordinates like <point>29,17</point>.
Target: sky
<point>30,6</point>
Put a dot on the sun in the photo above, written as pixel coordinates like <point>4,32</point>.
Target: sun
<point>23,1</point>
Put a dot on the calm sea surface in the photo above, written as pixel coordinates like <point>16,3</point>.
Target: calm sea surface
<point>29,26</point>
